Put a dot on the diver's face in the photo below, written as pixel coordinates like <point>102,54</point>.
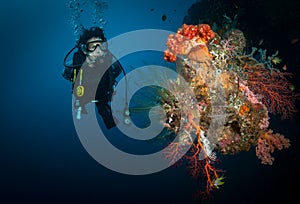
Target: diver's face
<point>95,49</point>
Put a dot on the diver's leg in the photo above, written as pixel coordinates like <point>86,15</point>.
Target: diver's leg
<point>105,111</point>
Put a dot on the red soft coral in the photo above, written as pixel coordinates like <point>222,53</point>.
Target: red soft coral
<point>189,38</point>
<point>205,32</point>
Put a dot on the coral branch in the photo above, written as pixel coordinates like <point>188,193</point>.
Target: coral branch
<point>173,152</point>
<point>274,89</point>
<point>202,167</point>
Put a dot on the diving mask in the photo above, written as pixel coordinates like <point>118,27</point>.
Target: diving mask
<point>92,46</point>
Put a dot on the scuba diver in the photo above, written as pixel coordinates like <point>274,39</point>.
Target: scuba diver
<point>89,62</point>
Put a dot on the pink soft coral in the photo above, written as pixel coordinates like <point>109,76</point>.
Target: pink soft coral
<point>266,145</point>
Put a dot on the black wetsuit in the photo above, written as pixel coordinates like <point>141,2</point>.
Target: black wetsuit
<point>89,80</point>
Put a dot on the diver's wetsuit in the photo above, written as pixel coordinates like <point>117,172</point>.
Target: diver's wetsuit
<point>90,77</point>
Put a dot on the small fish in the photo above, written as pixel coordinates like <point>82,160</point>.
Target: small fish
<point>284,67</point>
<point>261,42</point>
<point>151,9</point>
<point>164,17</point>
<point>276,60</point>
<point>218,182</point>
<point>292,87</point>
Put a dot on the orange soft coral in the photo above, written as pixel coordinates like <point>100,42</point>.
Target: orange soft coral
<point>244,109</point>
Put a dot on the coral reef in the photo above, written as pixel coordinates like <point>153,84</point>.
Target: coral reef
<point>234,92</point>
